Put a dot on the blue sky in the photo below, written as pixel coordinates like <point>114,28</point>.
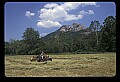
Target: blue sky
<point>47,17</point>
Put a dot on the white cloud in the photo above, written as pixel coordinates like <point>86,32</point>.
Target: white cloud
<point>90,12</point>
<point>71,17</point>
<point>52,14</point>
<point>48,24</point>
<point>51,5</point>
<point>56,14</point>
<point>28,14</point>
<point>84,12</point>
<point>74,5</point>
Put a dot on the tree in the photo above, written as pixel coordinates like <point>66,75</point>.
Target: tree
<point>30,38</point>
<point>95,27</point>
<point>7,48</point>
<point>20,47</point>
<point>108,34</point>
<point>12,46</point>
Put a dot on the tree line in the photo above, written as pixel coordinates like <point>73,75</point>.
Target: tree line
<point>96,38</point>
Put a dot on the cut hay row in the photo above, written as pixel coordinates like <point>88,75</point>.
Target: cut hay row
<point>80,65</point>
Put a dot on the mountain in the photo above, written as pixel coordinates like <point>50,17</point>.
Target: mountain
<point>69,31</point>
<point>69,38</point>
<point>74,27</point>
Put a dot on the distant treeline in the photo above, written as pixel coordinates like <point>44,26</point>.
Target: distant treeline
<point>96,38</point>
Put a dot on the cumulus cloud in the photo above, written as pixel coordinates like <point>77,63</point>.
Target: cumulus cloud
<point>48,24</point>
<point>51,5</point>
<point>84,12</point>
<point>28,14</point>
<point>74,5</point>
<point>52,14</point>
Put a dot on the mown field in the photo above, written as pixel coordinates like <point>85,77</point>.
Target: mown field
<point>65,65</point>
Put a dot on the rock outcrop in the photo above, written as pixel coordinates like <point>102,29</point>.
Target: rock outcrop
<point>74,27</point>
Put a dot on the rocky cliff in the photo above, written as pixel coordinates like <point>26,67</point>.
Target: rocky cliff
<point>74,27</point>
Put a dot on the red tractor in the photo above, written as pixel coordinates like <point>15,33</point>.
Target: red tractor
<point>41,58</point>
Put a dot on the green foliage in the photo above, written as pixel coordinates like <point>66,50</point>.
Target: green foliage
<point>94,26</point>
<point>70,41</point>
<point>96,38</point>
<point>7,49</point>
<point>32,41</point>
<point>108,34</point>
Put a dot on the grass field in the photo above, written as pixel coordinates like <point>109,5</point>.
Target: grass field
<point>68,65</point>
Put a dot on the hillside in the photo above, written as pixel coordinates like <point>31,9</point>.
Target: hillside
<point>69,31</point>
<point>70,38</point>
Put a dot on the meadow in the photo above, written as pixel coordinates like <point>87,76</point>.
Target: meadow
<point>64,65</point>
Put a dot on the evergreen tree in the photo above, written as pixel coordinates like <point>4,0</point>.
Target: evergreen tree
<point>108,34</point>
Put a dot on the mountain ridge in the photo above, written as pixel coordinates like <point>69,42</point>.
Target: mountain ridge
<point>74,27</point>
<point>69,31</point>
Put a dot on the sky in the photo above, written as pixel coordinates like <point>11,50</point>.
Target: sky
<point>47,17</point>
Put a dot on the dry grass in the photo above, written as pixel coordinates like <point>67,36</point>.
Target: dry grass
<point>79,65</point>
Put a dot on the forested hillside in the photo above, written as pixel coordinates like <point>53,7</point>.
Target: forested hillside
<point>73,38</point>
